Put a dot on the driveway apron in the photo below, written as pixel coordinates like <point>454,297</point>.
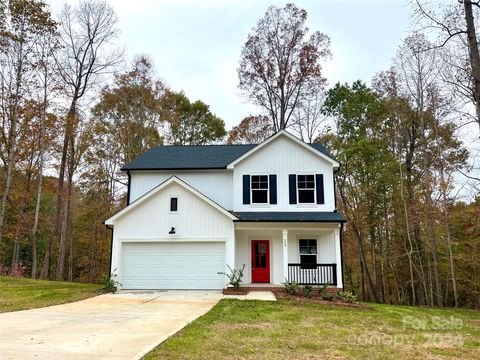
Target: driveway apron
<point>111,326</point>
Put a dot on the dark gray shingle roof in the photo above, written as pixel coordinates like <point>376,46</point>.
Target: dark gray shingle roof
<point>194,157</point>
<point>294,216</point>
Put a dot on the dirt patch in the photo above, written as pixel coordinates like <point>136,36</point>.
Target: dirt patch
<point>233,291</point>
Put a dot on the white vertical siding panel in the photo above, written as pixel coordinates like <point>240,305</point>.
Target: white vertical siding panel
<point>283,157</point>
<point>216,185</point>
<point>152,221</point>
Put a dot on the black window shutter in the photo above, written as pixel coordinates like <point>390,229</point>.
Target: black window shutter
<point>273,189</point>
<point>292,186</point>
<point>319,186</point>
<point>246,189</point>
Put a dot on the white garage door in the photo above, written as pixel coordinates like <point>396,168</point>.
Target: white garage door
<point>182,265</point>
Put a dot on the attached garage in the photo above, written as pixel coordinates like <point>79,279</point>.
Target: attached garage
<point>173,265</point>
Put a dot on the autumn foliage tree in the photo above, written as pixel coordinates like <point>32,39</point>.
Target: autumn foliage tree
<point>280,64</point>
<point>23,21</point>
<point>127,121</point>
<point>190,123</point>
<point>251,130</point>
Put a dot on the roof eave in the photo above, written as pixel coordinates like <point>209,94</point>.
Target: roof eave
<point>296,220</point>
<point>169,168</point>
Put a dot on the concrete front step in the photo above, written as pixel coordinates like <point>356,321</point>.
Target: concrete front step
<point>254,295</point>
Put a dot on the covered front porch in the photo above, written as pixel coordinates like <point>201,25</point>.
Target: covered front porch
<point>301,252</point>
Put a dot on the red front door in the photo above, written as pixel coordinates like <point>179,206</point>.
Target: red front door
<point>260,261</point>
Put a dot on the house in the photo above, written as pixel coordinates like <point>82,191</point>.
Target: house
<point>194,211</point>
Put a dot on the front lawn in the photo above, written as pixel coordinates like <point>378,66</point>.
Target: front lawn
<point>237,329</point>
<point>22,293</point>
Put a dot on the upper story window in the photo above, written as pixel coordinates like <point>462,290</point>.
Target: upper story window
<point>173,204</point>
<point>306,189</point>
<point>259,189</point>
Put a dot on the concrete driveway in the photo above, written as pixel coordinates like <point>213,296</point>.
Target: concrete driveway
<point>119,326</point>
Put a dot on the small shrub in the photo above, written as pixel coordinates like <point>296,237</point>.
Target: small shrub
<point>327,296</point>
<point>234,276</point>
<point>348,296</point>
<point>109,283</point>
<point>323,289</point>
<point>323,292</point>
<point>290,287</point>
<point>307,291</point>
<point>18,271</point>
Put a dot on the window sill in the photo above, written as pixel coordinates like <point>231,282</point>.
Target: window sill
<point>259,206</point>
<point>307,205</point>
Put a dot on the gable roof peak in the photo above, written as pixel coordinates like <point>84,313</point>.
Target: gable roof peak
<point>310,147</point>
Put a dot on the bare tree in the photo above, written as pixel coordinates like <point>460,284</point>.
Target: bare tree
<point>417,63</point>
<point>86,33</point>
<point>308,118</point>
<point>23,21</point>
<point>279,65</point>
<point>46,44</point>
<point>457,24</point>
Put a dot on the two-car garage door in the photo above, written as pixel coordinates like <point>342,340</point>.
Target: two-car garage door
<point>173,265</point>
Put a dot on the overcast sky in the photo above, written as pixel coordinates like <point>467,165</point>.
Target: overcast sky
<point>196,44</point>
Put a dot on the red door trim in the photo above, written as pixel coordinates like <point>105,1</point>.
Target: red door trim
<point>261,275</point>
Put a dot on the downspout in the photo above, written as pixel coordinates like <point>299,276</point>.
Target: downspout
<point>111,249</point>
<point>335,187</point>
<point>341,226</point>
<point>341,254</point>
<point>128,187</point>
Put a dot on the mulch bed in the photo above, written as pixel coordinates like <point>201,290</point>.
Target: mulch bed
<point>314,299</point>
<point>299,297</point>
<point>233,291</point>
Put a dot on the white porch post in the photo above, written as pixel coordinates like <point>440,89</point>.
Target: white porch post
<point>338,257</point>
<point>285,254</point>
<point>230,251</point>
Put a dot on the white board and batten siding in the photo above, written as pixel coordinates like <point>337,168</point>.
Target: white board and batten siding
<point>283,157</point>
<point>216,185</point>
<point>142,247</point>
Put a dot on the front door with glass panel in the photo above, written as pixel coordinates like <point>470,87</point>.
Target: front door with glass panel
<point>260,261</point>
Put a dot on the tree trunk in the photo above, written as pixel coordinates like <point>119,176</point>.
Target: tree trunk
<point>69,133</point>
<point>407,224</point>
<point>66,224</point>
<point>433,238</point>
<point>16,248</point>
<point>362,280</point>
<point>12,139</point>
<point>474,54</point>
<point>371,287</point>
<point>40,180</point>
<point>448,236</point>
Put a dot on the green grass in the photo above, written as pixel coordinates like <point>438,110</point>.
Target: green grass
<point>21,293</point>
<point>236,329</point>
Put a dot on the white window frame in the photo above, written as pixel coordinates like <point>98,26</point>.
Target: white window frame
<point>267,190</point>
<point>170,202</point>
<point>314,190</point>
<point>300,255</point>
